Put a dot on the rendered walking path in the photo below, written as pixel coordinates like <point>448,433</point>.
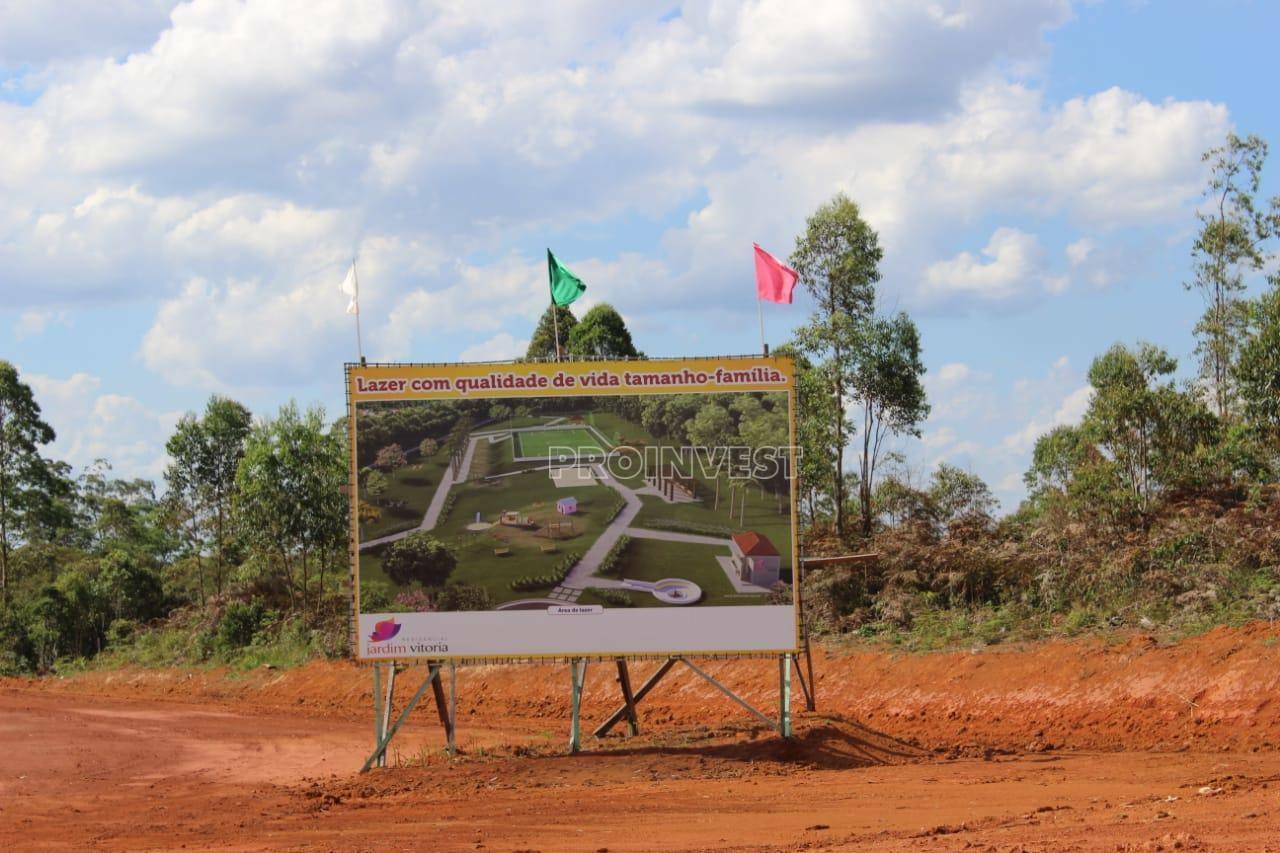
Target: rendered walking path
<point>452,476</point>
<point>580,576</point>
<point>583,576</point>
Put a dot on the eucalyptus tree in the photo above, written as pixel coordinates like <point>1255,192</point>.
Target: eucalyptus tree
<point>838,259</point>
<point>543,342</point>
<point>712,428</point>
<point>31,487</point>
<point>1232,243</point>
<point>289,496</point>
<point>886,383</point>
<point>1257,372</point>
<point>204,455</point>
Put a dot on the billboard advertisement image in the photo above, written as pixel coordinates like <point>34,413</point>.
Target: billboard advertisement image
<point>573,509</point>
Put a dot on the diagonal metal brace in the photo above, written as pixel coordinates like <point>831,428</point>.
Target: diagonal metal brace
<point>621,714</point>
<point>735,697</point>
<point>433,672</point>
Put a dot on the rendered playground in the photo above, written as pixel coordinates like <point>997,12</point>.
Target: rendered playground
<point>536,516</point>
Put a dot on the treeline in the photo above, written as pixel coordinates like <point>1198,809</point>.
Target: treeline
<point>1161,507</point>
<point>248,539</point>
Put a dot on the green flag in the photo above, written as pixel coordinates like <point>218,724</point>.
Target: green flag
<point>565,286</point>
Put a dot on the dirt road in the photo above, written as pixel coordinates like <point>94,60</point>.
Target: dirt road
<point>166,760</point>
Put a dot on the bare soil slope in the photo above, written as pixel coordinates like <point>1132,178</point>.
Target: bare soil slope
<point>1081,745</point>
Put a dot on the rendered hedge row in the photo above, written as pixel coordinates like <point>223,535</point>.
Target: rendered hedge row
<point>552,578</point>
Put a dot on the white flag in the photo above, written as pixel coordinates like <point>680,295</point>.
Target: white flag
<point>351,287</point>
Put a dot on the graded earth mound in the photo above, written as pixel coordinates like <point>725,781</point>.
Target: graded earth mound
<point>1214,691</point>
<point>1129,745</point>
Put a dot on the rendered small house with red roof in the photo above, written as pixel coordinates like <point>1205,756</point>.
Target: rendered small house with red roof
<point>755,558</point>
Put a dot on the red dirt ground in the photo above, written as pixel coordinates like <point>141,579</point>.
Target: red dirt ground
<point>1072,745</point>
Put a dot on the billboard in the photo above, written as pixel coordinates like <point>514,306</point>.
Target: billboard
<point>579,509</point>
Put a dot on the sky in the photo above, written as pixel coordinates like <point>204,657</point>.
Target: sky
<point>182,186</point>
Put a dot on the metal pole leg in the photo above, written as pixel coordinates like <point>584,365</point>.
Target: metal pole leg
<point>433,672</point>
<point>453,709</point>
<point>377,706</point>
<point>577,675</point>
<point>387,706</point>
<point>784,696</point>
<point>811,686</point>
<point>629,702</point>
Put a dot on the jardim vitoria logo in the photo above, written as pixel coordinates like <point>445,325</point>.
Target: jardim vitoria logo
<point>384,630</point>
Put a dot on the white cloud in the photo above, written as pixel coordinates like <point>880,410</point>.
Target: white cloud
<point>327,121</point>
<point>938,438</point>
<point>842,57</point>
<point>209,336</point>
<point>223,165</point>
<point>501,347</point>
<point>954,373</point>
<point>477,300</point>
<point>1069,411</point>
<point>1011,262</point>
<point>1002,152</point>
<point>31,324</point>
<point>92,425</point>
<point>1079,251</point>
<point>968,424</point>
<point>37,32</point>
<point>958,392</point>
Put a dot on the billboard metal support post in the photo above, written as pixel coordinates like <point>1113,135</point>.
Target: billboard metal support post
<point>380,750</point>
<point>442,705</point>
<point>621,714</point>
<point>386,706</point>
<point>784,696</point>
<point>628,701</point>
<point>451,733</point>
<point>577,677</point>
<point>377,707</point>
<point>782,725</point>
<point>804,683</point>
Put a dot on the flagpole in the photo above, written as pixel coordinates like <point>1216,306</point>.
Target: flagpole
<point>555,321</point>
<point>764,348</point>
<point>356,278</point>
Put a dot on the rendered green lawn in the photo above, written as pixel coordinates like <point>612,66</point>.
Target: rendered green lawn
<point>539,444</point>
<point>761,516</point>
<point>371,567</point>
<point>496,457</point>
<point>476,561</point>
<point>516,423</point>
<point>412,485</point>
<point>654,560</point>
<point>532,493</point>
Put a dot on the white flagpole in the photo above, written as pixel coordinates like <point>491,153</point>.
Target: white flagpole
<point>555,321</point>
<point>356,280</point>
<point>764,348</point>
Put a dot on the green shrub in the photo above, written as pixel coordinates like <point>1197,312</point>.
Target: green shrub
<point>614,597</point>
<point>609,564</point>
<point>529,583</point>
<point>375,597</point>
<point>462,596</point>
<point>239,623</point>
<point>121,631</point>
<point>677,525</point>
<point>615,512</point>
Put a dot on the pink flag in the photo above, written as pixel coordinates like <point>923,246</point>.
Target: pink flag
<point>774,280</point>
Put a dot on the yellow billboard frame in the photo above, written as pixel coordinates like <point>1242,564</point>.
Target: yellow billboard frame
<point>382,382</point>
